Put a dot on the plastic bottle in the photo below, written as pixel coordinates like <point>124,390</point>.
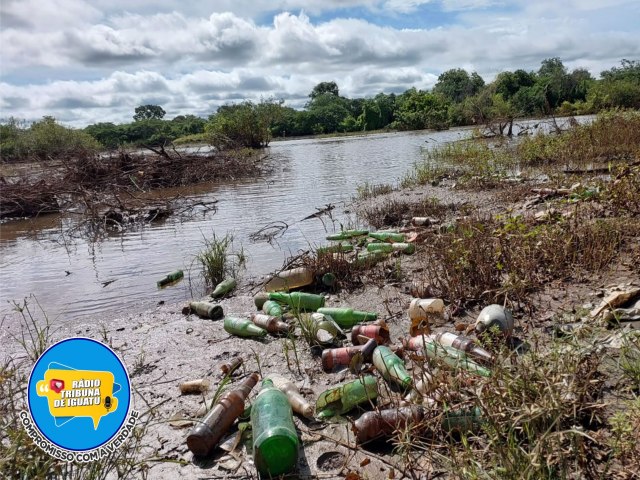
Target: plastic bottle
<point>171,277</point>
<point>207,433</point>
<point>423,312</point>
<point>388,236</point>
<point>390,366</point>
<point>384,423</point>
<point>339,400</point>
<point>452,340</point>
<point>273,308</point>
<point>347,317</point>
<point>299,300</point>
<point>352,357</point>
<point>209,310</point>
<point>275,442</point>
<point>378,332</point>
<point>243,327</point>
<point>269,323</point>
<point>407,248</point>
<point>297,401</point>
<point>346,234</point>
<point>227,368</point>
<point>495,316</point>
<point>290,279</point>
<point>224,287</point>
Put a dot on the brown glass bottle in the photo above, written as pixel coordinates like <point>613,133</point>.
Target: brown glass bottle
<point>206,434</point>
<point>384,423</point>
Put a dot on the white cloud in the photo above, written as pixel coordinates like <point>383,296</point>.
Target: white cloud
<point>192,62</point>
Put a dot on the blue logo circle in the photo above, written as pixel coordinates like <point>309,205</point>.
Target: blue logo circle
<point>79,394</point>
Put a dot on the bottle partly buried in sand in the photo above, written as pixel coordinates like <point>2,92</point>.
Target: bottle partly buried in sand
<point>384,423</point>
<point>344,398</point>
<point>206,434</point>
<point>275,441</point>
<point>297,401</point>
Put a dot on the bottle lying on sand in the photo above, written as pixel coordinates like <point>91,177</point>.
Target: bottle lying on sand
<point>379,333</point>
<point>448,355</point>
<point>209,310</point>
<point>347,234</point>
<point>270,323</point>
<point>290,279</point>
<point>224,287</point>
<point>206,434</point>
<point>243,327</point>
<point>391,367</point>
<point>407,248</point>
<point>384,423</point>
<point>394,237</point>
<point>347,317</point>
<point>297,401</point>
<point>299,300</point>
<point>353,357</point>
<point>448,339</point>
<point>344,398</point>
<point>273,308</point>
<point>275,442</point>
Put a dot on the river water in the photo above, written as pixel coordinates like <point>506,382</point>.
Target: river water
<point>76,280</point>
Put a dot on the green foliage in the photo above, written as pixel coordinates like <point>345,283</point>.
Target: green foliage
<point>244,125</point>
<point>455,85</point>
<point>324,88</point>
<point>44,139</point>
<point>417,109</point>
<point>149,112</point>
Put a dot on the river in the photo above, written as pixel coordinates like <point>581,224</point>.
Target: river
<point>76,280</point>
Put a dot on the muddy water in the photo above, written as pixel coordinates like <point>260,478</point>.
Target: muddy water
<point>76,280</point>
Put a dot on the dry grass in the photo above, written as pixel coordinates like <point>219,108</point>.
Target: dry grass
<point>394,212</point>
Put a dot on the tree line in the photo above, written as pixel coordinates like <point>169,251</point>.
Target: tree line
<point>458,98</point>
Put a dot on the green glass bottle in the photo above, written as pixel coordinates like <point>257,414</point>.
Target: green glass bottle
<point>299,300</point>
<point>339,248</point>
<point>275,442</point>
<point>170,277</point>
<point>224,287</point>
<point>243,327</point>
<point>391,367</point>
<point>259,299</point>
<point>346,234</point>
<point>340,400</point>
<point>454,358</point>
<point>348,317</point>
<point>386,236</point>
<point>273,308</point>
<point>391,247</point>
<point>462,420</point>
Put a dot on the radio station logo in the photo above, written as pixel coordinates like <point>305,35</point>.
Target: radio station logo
<point>79,398</point>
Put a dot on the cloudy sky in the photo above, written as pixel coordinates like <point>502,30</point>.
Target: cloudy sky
<point>94,61</point>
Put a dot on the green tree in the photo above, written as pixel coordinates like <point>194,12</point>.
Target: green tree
<point>327,111</point>
<point>244,125</point>
<point>323,88</point>
<point>108,134</point>
<point>149,112</point>
<point>417,109</point>
<point>456,84</point>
